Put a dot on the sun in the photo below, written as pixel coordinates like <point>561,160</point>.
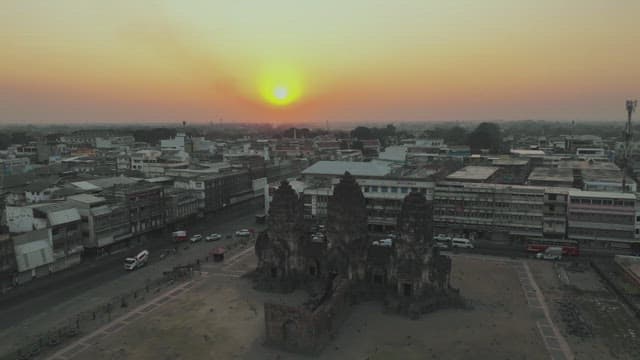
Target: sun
<point>280,86</point>
<point>281,93</point>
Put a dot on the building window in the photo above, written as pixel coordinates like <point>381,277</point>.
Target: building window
<point>404,190</point>
<point>374,189</point>
<point>394,189</point>
<point>384,189</point>
<point>552,196</point>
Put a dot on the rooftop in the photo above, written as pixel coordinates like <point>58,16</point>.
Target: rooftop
<point>509,162</point>
<point>355,168</point>
<point>602,194</point>
<point>86,198</point>
<point>551,175</point>
<point>473,173</point>
<point>527,152</point>
<point>584,164</point>
<point>604,175</point>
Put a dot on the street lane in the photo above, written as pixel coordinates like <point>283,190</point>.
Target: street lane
<point>44,297</point>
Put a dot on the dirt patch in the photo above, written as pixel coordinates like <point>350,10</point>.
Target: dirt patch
<point>222,318</point>
<point>592,319</point>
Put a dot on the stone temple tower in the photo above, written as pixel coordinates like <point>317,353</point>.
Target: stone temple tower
<point>279,248</point>
<point>347,229</point>
<point>413,246</point>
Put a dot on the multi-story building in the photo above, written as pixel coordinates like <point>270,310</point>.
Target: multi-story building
<point>601,219</point>
<point>34,255</point>
<point>491,211</point>
<point>180,205</point>
<point>215,191</point>
<point>61,219</point>
<point>383,185</point>
<point>7,261</point>
<point>104,226</point>
<point>144,203</point>
<point>14,165</point>
<point>554,212</point>
<point>64,221</point>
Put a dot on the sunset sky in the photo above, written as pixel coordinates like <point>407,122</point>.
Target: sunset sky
<point>311,61</point>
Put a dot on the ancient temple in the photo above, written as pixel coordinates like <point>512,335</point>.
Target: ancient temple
<point>412,248</point>
<point>279,248</point>
<point>410,276</point>
<point>347,231</point>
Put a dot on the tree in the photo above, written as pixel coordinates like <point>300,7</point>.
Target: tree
<point>456,136</point>
<point>486,136</point>
<point>362,132</point>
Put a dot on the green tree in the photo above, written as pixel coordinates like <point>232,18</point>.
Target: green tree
<point>362,132</point>
<point>486,136</point>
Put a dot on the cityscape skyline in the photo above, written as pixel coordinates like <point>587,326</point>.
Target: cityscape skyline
<point>280,62</point>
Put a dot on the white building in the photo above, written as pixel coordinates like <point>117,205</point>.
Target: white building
<point>383,185</point>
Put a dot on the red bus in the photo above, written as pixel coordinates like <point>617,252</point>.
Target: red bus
<point>179,236</point>
<point>568,248</point>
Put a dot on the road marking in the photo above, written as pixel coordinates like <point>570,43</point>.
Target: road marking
<point>232,260</point>
<point>557,337</point>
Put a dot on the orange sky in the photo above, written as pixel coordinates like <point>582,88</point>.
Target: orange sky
<point>366,60</point>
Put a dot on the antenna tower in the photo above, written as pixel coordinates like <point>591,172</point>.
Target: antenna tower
<point>631,108</point>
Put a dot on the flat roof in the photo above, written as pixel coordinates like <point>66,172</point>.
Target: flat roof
<point>602,194</point>
<point>604,175</point>
<point>585,164</point>
<point>509,162</point>
<point>473,173</point>
<point>86,198</point>
<point>355,168</point>
<point>527,152</point>
<point>551,174</point>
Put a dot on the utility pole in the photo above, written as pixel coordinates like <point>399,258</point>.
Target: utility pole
<point>631,108</point>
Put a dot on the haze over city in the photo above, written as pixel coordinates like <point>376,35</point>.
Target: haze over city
<point>283,62</point>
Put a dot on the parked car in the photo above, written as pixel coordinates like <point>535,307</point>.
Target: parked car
<point>213,237</point>
<point>137,261</point>
<point>461,243</point>
<point>243,232</point>
<point>383,242</point>
<point>551,253</point>
<point>196,238</point>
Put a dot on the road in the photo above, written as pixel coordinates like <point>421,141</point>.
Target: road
<point>42,297</point>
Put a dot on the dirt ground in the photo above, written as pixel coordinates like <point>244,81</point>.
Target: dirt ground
<point>591,318</point>
<point>222,318</point>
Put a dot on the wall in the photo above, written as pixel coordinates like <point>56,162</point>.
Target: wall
<point>298,329</point>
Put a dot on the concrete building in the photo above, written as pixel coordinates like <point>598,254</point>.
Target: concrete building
<point>602,220</point>
<point>180,205</point>
<point>482,174</point>
<point>546,176</point>
<point>490,211</point>
<point>14,165</point>
<point>383,185</point>
<point>104,226</point>
<point>63,220</point>
<point>34,255</point>
<point>144,203</point>
<point>216,191</point>
<point>7,262</point>
<point>606,180</point>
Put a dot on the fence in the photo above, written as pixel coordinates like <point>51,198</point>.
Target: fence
<point>40,344</point>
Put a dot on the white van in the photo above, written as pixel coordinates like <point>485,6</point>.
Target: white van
<point>551,253</point>
<point>383,242</point>
<point>461,243</point>
<point>138,261</point>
